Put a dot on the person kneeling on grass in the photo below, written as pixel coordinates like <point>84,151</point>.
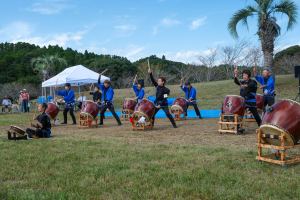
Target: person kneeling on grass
<point>161,101</point>
<point>107,100</point>
<point>42,129</point>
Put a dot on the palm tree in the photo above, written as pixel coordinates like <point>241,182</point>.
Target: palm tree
<point>45,64</point>
<point>268,29</point>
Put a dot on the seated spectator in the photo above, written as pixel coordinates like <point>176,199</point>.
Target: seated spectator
<point>6,104</point>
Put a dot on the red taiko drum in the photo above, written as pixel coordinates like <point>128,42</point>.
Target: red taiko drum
<point>282,117</point>
<point>260,101</point>
<point>90,108</point>
<point>129,104</point>
<point>179,105</point>
<point>52,110</point>
<point>145,108</point>
<point>233,104</point>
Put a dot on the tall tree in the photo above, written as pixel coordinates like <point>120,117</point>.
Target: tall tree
<point>266,12</point>
<point>43,65</point>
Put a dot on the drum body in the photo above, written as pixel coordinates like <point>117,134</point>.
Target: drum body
<point>89,108</point>
<point>179,105</point>
<point>233,104</point>
<point>129,104</point>
<point>260,101</point>
<point>52,110</point>
<point>144,109</point>
<point>282,117</point>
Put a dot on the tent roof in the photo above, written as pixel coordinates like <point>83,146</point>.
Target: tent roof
<point>76,76</point>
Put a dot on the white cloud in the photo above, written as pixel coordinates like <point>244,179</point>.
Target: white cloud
<point>62,39</point>
<point>24,32</point>
<point>198,23</point>
<point>49,7</point>
<point>125,29</point>
<point>169,22</point>
<point>165,23</point>
<point>131,52</point>
<point>16,30</point>
<point>188,56</point>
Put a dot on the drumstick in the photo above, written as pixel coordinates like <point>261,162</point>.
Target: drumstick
<point>148,64</point>
<point>104,71</point>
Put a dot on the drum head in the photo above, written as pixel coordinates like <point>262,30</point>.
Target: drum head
<point>17,129</point>
<point>175,108</point>
<point>271,130</point>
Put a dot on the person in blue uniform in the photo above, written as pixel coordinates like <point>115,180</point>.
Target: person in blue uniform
<point>138,88</point>
<point>69,98</point>
<point>267,84</point>
<point>248,88</point>
<point>107,100</point>
<point>161,100</point>
<point>190,96</point>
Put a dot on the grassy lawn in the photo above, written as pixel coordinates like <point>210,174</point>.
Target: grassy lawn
<point>113,162</point>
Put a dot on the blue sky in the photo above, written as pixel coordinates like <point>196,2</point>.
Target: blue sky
<point>179,29</point>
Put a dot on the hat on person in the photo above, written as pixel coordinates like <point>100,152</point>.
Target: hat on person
<point>68,85</point>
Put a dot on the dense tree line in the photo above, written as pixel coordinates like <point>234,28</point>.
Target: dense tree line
<point>16,62</point>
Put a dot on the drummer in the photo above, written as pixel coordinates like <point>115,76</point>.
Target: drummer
<point>107,100</point>
<point>138,88</point>
<point>69,98</point>
<point>267,83</point>
<point>190,96</point>
<point>97,95</point>
<point>43,129</point>
<point>161,101</point>
<point>248,91</point>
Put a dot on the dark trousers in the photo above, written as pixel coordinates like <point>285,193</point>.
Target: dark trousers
<point>109,106</point>
<point>253,109</point>
<point>194,104</point>
<point>269,100</point>
<point>168,114</point>
<point>4,108</point>
<point>41,133</point>
<point>66,110</point>
<point>25,105</point>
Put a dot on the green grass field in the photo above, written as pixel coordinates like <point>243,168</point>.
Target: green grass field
<point>191,162</point>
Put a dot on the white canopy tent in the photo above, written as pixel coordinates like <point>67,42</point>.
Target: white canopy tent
<point>77,76</point>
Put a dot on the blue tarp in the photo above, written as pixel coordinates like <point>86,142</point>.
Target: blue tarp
<point>191,114</point>
<point>170,100</point>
